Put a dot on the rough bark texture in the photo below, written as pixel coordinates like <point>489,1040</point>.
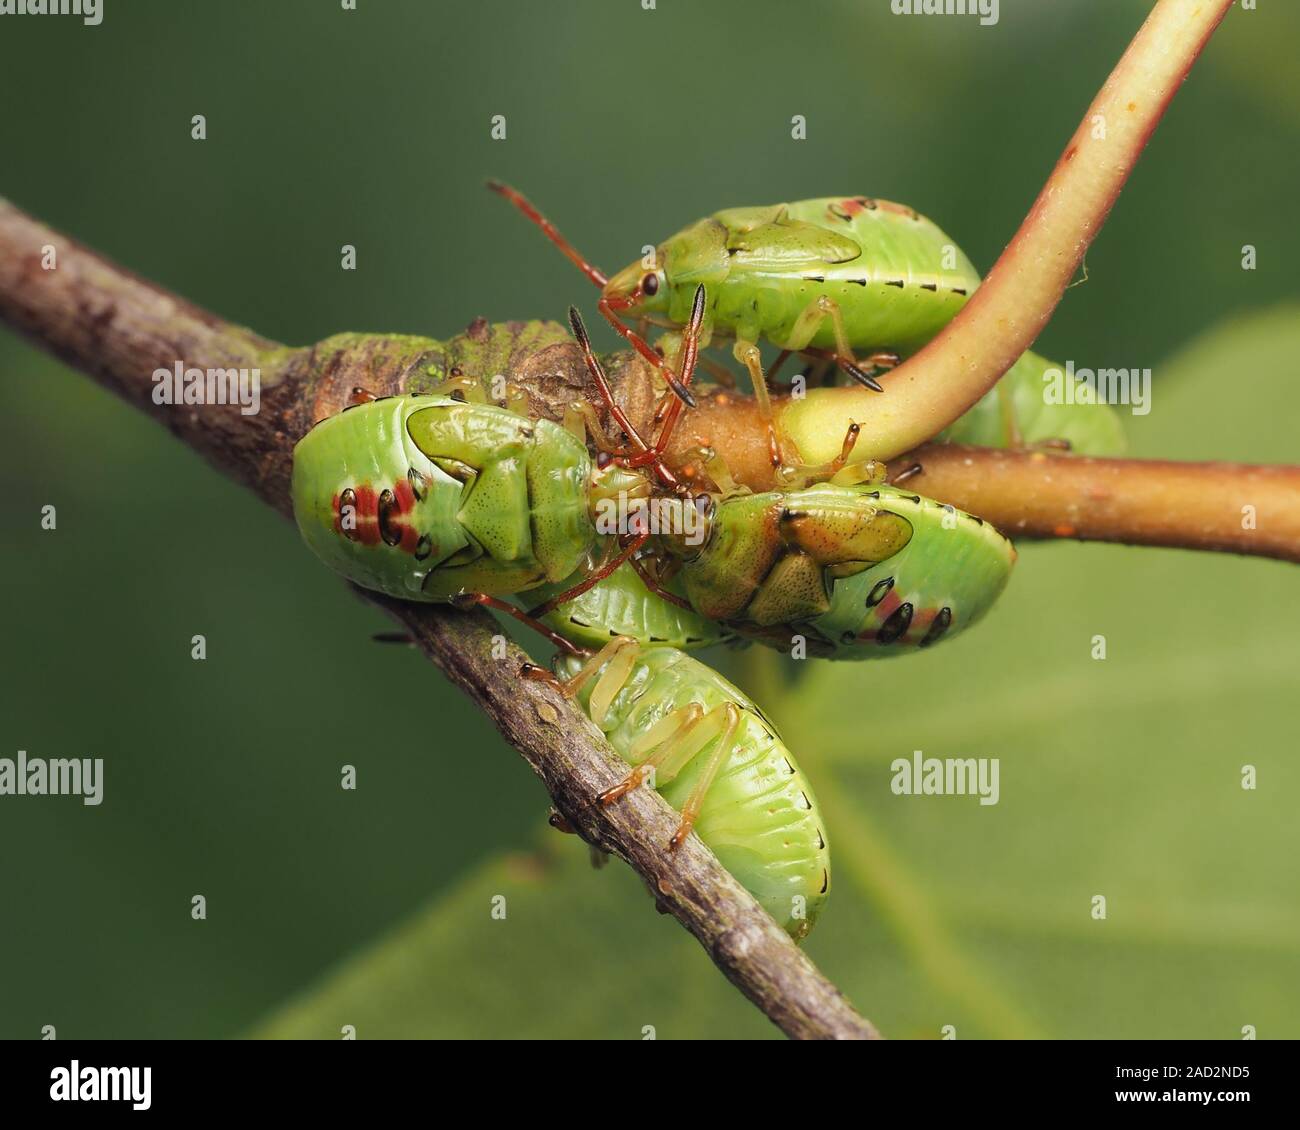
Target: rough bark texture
<point>119,329</point>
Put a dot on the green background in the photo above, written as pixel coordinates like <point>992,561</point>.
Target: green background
<point>371,908</point>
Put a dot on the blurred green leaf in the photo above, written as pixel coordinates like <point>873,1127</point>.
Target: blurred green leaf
<point>579,953</point>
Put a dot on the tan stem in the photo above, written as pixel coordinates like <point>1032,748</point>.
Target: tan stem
<point>930,390</point>
<point>1232,507</point>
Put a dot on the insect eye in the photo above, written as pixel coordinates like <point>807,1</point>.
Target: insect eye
<point>650,285</point>
<point>391,534</point>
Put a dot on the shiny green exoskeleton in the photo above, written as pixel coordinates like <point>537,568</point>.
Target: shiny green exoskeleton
<point>858,572</point>
<point>622,605</point>
<point>720,763</point>
<point>835,276</point>
<point>895,277</point>
<point>431,498</point>
<point>426,497</point>
<point>855,572</point>
<point>846,275</point>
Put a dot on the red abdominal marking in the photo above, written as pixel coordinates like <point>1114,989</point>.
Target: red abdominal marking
<point>404,503</point>
<point>369,526</point>
<point>887,612</point>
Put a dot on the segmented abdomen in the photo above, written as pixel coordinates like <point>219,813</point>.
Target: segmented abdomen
<point>897,277</point>
<point>946,577</point>
<point>760,817</point>
<point>853,572</point>
<point>621,605</point>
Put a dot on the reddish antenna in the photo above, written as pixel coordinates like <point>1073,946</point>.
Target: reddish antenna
<point>647,454</point>
<point>574,256</point>
<point>607,306</point>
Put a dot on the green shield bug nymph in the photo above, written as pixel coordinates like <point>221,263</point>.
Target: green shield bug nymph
<point>426,497</point>
<point>1017,413</point>
<point>719,762</point>
<point>433,498</point>
<point>858,572</point>
<point>830,277</point>
<point>852,279</point>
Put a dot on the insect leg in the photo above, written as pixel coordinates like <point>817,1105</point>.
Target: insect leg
<point>1010,425</point>
<point>688,354</point>
<point>660,743</point>
<point>781,359</point>
<point>570,687</point>
<point>807,325</point>
<point>517,401</point>
<point>715,466</point>
<point>461,386</point>
<point>882,359</point>
<point>597,371</point>
<point>669,344</point>
<point>646,455</point>
<point>599,278</point>
<point>470,599</point>
<point>520,201</point>
<point>590,581</point>
<point>634,339</point>
<point>1012,437</point>
<point>653,584</point>
<point>838,471</point>
<point>580,420</point>
<point>718,371</point>
<point>746,352</point>
<point>617,657</point>
<point>723,721</point>
<point>906,473</point>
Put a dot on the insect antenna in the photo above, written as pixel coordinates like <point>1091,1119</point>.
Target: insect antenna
<point>526,206</point>
<point>609,307</point>
<point>689,355</point>
<point>470,599</point>
<point>646,454</point>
